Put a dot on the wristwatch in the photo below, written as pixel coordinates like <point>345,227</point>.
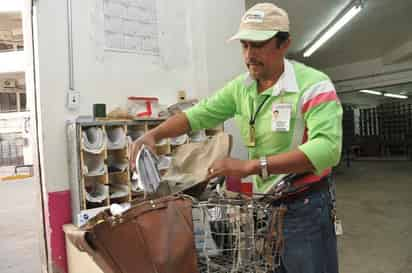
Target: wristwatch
<point>263,167</point>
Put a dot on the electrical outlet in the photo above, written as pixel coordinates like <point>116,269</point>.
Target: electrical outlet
<point>73,100</point>
<point>181,95</point>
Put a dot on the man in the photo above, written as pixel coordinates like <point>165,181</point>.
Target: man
<point>304,138</point>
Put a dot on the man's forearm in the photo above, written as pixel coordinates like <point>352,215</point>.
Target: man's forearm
<point>290,162</point>
<point>174,126</point>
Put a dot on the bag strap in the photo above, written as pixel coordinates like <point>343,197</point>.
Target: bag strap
<point>140,209</point>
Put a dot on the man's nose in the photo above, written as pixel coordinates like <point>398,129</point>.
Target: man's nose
<point>250,53</point>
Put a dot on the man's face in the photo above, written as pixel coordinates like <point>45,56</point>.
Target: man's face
<point>263,59</point>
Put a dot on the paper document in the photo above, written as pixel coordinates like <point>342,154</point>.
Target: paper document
<point>205,245</point>
<point>97,194</point>
<point>116,138</point>
<point>148,176</point>
<point>117,191</point>
<point>131,26</point>
<point>93,140</point>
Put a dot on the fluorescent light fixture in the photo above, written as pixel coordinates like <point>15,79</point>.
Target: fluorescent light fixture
<point>396,96</point>
<point>371,92</point>
<point>332,29</point>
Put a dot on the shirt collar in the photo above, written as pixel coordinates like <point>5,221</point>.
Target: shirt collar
<point>286,82</point>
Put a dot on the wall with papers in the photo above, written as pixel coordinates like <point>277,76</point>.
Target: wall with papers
<point>136,47</point>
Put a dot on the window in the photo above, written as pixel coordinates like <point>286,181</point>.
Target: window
<point>12,102</point>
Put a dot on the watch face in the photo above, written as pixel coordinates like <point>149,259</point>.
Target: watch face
<point>263,161</point>
<point>263,167</point>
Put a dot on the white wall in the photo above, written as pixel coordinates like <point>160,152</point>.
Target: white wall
<point>224,59</point>
<point>115,76</point>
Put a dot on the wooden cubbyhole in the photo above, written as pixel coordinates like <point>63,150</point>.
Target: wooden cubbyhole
<point>136,130</point>
<point>117,157</point>
<point>119,178</point>
<point>101,179</point>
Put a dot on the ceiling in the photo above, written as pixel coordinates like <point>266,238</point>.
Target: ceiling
<point>369,100</point>
<point>381,26</point>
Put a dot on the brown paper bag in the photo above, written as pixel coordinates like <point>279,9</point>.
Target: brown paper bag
<point>190,164</point>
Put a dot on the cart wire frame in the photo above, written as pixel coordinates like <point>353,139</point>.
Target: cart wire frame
<point>233,235</point>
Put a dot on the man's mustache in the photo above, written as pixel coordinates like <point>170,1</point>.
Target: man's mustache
<point>253,62</point>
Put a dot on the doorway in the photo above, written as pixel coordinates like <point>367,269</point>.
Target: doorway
<point>22,232</point>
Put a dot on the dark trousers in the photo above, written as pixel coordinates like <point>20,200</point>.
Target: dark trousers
<point>309,236</point>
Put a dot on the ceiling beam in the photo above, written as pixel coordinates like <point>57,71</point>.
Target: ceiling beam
<point>399,55</point>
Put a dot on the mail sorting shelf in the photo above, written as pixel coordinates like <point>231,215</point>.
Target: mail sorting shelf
<point>111,179</point>
<point>94,173</point>
<point>348,126</point>
<point>104,165</point>
<point>231,235</point>
<point>101,176</point>
<point>387,129</point>
<point>395,127</point>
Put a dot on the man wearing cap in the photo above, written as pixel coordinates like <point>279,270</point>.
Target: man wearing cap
<point>304,138</point>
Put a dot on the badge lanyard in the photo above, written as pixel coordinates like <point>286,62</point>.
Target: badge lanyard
<point>252,120</point>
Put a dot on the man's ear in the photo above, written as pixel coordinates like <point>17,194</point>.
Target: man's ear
<point>285,46</point>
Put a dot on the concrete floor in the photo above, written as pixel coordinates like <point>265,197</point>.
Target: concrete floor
<point>375,204</point>
<point>20,227</point>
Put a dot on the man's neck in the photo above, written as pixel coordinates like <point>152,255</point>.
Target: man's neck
<point>264,84</point>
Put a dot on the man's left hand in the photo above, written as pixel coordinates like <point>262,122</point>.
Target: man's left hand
<point>230,167</point>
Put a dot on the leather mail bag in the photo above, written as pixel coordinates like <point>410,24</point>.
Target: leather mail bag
<point>155,236</point>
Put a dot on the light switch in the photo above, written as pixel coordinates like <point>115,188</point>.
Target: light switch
<point>73,100</point>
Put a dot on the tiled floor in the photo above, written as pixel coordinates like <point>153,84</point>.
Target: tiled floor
<point>20,227</point>
<point>375,204</point>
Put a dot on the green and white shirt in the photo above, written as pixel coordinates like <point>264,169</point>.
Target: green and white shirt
<point>315,125</point>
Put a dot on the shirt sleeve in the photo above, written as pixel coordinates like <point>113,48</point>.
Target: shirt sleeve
<point>322,113</point>
<point>212,111</point>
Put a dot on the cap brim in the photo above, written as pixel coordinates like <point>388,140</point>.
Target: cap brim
<point>254,35</point>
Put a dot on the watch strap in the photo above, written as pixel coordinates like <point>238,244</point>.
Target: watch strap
<point>263,167</point>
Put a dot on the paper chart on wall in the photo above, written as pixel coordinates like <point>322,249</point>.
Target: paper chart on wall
<point>131,26</point>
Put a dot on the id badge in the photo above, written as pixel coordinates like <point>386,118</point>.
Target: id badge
<point>338,227</point>
<point>281,115</point>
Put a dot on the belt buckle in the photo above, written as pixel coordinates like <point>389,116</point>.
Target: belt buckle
<point>282,187</point>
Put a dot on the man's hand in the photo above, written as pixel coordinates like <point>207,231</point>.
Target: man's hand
<point>148,139</point>
<point>231,167</point>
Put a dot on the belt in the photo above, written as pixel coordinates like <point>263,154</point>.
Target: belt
<point>320,186</point>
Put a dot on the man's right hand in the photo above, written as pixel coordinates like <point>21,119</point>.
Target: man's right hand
<point>147,139</point>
